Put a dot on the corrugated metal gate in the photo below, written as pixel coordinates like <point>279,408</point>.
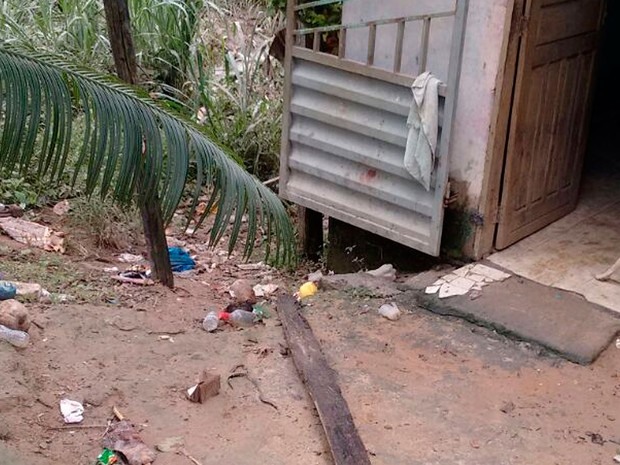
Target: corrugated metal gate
<point>345,128</point>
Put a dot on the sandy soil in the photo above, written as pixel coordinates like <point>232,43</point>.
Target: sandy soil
<point>423,390</point>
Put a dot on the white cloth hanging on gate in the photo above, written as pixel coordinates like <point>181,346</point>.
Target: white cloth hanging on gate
<point>423,127</point>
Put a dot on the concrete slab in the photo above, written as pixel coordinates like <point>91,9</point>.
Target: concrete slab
<point>560,321</point>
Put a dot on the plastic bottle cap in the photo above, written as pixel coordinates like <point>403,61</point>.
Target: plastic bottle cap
<point>224,316</point>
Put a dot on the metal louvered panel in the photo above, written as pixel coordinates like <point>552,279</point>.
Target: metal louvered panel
<point>345,132</point>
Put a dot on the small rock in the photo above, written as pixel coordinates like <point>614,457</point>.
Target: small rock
<point>390,311</point>
<point>170,444</point>
<point>315,277</point>
<point>241,290</point>
<point>384,271</point>
<point>62,208</point>
<point>14,315</point>
<point>508,407</point>
<point>617,458</point>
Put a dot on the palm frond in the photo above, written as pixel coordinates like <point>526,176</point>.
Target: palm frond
<point>129,141</point>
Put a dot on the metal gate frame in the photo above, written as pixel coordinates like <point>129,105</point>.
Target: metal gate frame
<point>417,219</point>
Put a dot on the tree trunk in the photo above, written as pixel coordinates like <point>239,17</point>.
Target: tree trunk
<point>119,32</point>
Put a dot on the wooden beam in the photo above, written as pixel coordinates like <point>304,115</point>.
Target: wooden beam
<point>344,441</point>
<point>310,230</point>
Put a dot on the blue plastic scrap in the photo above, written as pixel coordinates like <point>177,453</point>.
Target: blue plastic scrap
<point>180,260</point>
<point>7,290</point>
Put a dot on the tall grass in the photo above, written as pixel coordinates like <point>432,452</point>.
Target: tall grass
<point>209,58</point>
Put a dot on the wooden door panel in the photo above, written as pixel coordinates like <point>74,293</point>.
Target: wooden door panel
<point>550,116</point>
<point>567,19</point>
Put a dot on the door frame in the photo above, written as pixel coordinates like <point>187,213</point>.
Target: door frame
<point>515,26</point>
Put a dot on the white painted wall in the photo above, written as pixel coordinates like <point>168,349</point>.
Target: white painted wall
<point>481,64</point>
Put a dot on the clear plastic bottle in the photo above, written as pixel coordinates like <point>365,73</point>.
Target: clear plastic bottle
<point>239,318</point>
<point>211,322</point>
<point>17,338</point>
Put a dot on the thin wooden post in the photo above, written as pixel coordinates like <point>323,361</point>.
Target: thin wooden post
<point>426,32</point>
<point>121,42</point>
<point>310,230</point>
<point>372,43</point>
<point>398,47</point>
<point>342,42</point>
<point>316,46</point>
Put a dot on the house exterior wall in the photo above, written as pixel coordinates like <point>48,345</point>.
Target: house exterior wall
<point>477,99</point>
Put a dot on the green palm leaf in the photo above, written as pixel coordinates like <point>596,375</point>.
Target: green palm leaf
<point>128,140</point>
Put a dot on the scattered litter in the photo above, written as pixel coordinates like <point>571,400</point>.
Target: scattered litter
<point>33,234</point>
<point>617,458</point>
<point>123,438</point>
<point>7,290</point>
<point>265,290</point>
<point>252,266</point>
<point>390,311</point>
<point>187,274</point>
<point>31,291</point>
<point>110,269</point>
<point>307,290</point>
<point>241,290</point>
<point>62,208</point>
<point>315,277</point>
<point>239,318</point>
<point>19,339</point>
<point>166,337</point>
<point>180,260</point>
<point>208,386</point>
<point>384,271</point>
<point>618,343</point>
<point>72,411</point>
<point>471,277</point>
<point>11,210</point>
<point>136,275</point>
<point>260,311</point>
<point>211,322</point>
<point>14,315</point>
<point>130,258</point>
<point>107,457</point>
<point>170,444</point>
<point>242,371</point>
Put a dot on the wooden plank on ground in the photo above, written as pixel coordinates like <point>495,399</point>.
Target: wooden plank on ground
<point>346,445</point>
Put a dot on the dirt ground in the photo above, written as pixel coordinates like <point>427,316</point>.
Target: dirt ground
<point>423,390</point>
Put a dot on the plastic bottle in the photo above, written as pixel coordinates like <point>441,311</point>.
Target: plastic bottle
<point>239,318</point>
<point>17,338</point>
<point>211,322</point>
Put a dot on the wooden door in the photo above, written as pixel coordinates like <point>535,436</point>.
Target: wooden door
<point>550,115</point>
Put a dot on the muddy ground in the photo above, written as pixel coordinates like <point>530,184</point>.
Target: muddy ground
<point>423,390</point>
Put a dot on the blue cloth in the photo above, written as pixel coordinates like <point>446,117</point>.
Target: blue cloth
<point>180,260</point>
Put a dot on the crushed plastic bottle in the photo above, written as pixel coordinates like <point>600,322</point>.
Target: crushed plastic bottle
<point>17,338</point>
<point>239,318</point>
<point>211,322</point>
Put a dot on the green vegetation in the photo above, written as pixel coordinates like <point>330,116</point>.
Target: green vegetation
<point>204,61</point>
<point>126,141</point>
